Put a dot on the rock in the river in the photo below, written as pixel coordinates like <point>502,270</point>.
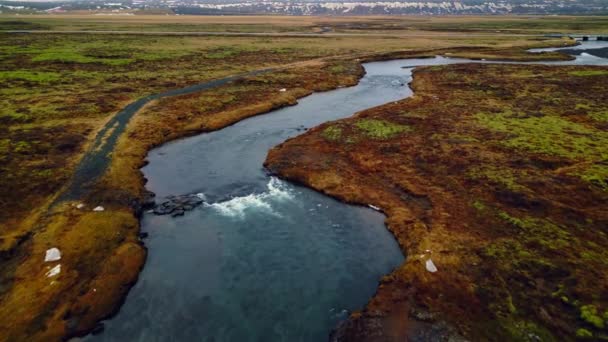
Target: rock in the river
<point>177,212</point>
<point>178,205</point>
<point>148,200</point>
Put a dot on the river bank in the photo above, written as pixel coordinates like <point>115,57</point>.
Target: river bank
<point>172,180</point>
<point>502,187</point>
<point>99,272</point>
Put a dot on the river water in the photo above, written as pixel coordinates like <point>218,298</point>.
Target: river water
<point>263,259</point>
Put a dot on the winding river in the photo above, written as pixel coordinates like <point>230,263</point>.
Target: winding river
<point>263,259</point>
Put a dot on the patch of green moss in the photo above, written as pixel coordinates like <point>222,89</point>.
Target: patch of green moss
<point>597,174</point>
<point>539,232</point>
<point>4,146</point>
<point>582,106</point>
<point>599,116</point>
<point>332,133</point>
<point>30,76</point>
<point>22,147</point>
<point>68,56</point>
<point>589,314</point>
<point>502,176</point>
<point>230,51</point>
<point>549,135</point>
<point>528,331</point>
<point>510,306</point>
<point>436,68</point>
<point>561,294</point>
<point>583,333</point>
<point>585,73</point>
<point>380,129</point>
<point>512,220</point>
<point>43,174</point>
<point>337,69</point>
<point>506,250</point>
<point>479,205</point>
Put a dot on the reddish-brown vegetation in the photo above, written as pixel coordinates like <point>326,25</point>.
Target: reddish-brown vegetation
<point>498,175</point>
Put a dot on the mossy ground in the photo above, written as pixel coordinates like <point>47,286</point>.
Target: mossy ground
<point>58,90</point>
<point>500,178</point>
<point>393,25</point>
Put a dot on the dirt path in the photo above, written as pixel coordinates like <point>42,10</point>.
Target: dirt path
<point>97,159</point>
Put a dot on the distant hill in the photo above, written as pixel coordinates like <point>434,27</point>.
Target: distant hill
<point>366,7</point>
<point>328,7</point>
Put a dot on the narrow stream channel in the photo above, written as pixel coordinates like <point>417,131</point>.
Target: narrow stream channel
<point>263,259</point>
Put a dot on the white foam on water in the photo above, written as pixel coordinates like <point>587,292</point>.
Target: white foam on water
<point>278,189</point>
<point>589,59</point>
<point>237,207</point>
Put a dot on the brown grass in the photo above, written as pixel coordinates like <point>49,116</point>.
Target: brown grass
<point>57,121</point>
<point>501,175</point>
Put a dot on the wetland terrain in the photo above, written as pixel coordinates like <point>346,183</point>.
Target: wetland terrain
<point>492,177</point>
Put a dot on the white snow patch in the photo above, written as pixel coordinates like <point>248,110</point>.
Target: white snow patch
<point>52,254</point>
<point>80,206</point>
<point>53,271</point>
<point>430,266</point>
<point>282,90</point>
<point>99,208</point>
<point>373,207</point>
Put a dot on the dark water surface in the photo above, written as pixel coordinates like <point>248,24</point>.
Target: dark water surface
<point>262,260</point>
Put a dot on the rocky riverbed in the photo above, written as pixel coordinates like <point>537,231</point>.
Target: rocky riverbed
<point>178,205</point>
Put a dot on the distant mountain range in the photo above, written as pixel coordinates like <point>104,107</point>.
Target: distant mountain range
<point>363,7</point>
<point>312,7</point>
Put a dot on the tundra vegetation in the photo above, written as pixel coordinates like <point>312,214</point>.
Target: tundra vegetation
<point>498,174</point>
<point>395,25</point>
<point>58,91</point>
